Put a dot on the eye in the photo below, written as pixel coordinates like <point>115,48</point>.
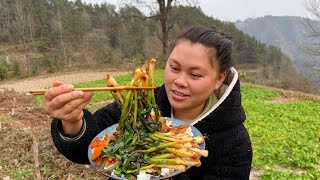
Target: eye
<point>173,68</point>
<point>195,75</point>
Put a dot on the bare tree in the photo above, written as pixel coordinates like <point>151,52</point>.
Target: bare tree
<point>160,10</point>
<point>312,25</point>
<point>61,39</point>
<point>23,25</point>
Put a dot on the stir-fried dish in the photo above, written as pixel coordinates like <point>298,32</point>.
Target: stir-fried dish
<point>145,144</point>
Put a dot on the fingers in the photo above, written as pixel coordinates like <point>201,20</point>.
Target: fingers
<point>58,90</point>
<point>62,99</point>
<point>77,104</point>
<point>88,96</point>
<point>74,114</point>
<point>70,109</point>
<point>62,102</point>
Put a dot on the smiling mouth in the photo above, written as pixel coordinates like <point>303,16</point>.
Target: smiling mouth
<point>179,93</point>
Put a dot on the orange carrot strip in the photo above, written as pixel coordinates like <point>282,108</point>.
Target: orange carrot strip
<point>97,161</point>
<point>97,151</point>
<point>96,142</point>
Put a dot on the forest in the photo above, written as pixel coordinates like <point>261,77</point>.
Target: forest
<point>48,36</point>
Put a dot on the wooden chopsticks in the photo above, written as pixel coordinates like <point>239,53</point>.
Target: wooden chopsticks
<point>42,91</point>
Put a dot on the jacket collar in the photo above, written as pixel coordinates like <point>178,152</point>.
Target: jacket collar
<point>222,93</point>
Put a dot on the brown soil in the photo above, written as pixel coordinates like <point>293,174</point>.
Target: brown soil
<point>27,151</point>
<point>288,95</point>
<point>26,145</point>
<point>23,109</point>
<point>283,100</point>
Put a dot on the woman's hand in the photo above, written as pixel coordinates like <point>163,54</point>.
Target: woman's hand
<point>67,105</point>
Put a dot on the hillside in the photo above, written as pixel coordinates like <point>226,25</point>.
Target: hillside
<point>287,33</point>
<point>42,37</point>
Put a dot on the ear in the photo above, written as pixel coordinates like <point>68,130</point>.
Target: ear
<point>221,77</point>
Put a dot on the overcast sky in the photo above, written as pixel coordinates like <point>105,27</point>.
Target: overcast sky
<point>232,10</point>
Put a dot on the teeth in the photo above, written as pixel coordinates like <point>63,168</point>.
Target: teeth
<point>179,94</point>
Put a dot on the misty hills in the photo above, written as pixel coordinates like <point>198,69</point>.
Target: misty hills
<point>288,33</point>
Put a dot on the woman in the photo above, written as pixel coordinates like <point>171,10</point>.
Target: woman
<point>201,87</point>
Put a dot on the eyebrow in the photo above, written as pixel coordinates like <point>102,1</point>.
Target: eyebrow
<point>175,61</point>
<point>192,68</point>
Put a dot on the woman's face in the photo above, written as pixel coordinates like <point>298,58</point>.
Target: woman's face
<point>190,77</point>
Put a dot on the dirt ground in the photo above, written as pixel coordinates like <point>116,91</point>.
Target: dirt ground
<point>40,82</point>
<point>27,151</point>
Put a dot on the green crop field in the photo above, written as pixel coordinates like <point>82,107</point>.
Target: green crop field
<point>285,136</point>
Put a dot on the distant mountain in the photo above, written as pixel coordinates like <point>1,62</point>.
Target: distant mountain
<point>287,33</point>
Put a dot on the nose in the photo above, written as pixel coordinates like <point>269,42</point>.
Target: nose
<point>181,80</point>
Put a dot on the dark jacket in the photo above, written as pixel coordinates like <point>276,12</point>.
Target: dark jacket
<point>228,142</point>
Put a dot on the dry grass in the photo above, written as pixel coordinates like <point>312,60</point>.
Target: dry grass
<point>27,151</point>
<point>288,95</point>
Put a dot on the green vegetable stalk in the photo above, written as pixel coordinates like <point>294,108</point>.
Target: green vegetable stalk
<point>142,145</point>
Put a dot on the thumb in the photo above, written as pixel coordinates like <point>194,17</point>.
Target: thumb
<point>57,83</point>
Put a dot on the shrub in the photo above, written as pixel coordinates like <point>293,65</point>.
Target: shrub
<point>3,70</point>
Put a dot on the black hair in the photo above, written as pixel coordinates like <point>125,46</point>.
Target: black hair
<point>211,38</point>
